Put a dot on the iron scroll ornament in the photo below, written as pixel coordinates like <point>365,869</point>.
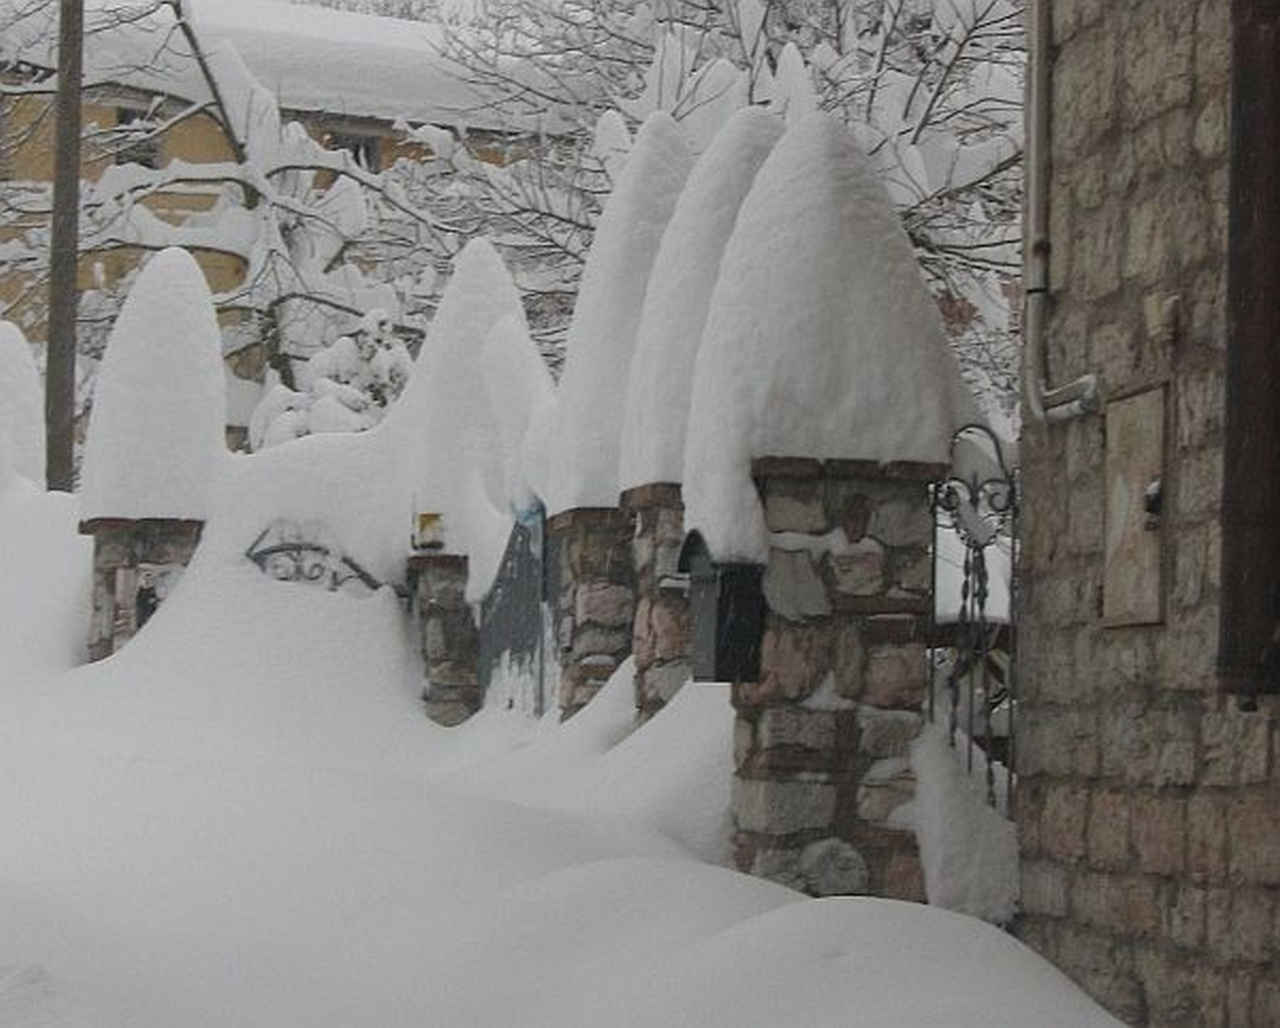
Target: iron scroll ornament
<point>289,553</point>
<point>978,501</point>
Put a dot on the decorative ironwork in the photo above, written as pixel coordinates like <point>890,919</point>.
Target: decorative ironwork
<point>977,506</point>
<point>305,552</point>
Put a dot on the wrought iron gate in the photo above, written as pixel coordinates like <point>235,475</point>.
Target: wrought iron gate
<point>973,681</point>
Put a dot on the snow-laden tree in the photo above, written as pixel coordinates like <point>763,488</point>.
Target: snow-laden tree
<point>932,88</point>
<point>321,240</point>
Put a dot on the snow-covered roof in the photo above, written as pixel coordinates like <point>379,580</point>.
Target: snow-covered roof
<point>310,58</point>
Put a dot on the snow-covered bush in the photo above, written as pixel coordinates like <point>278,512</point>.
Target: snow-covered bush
<point>349,385</point>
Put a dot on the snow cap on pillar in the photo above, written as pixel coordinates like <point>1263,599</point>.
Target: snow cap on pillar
<point>157,430</point>
<point>601,341</point>
<point>679,294</point>
<point>821,341</point>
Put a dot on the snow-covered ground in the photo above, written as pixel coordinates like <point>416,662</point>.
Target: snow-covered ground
<point>244,819</point>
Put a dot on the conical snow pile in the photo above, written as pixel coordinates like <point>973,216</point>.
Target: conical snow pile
<point>445,424</point>
<point>587,437</point>
<point>679,295</point>
<point>822,340</point>
<point>157,431</point>
<point>21,404</point>
<point>519,388</point>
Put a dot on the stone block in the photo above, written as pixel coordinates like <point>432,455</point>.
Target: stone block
<point>779,865</point>
<point>744,741</point>
<point>1108,831</point>
<point>1253,841</point>
<point>1063,821</point>
<point>903,520</point>
<point>671,619</point>
<point>1159,832</point>
<point>1236,747</point>
<point>902,878</point>
<point>789,726</point>
<point>896,676</point>
<point>794,659</point>
<point>1124,905</point>
<point>1158,44</point>
<point>849,659</point>
<point>911,568</point>
<point>887,733</point>
<point>604,603</point>
<point>1266,1002</point>
<point>793,589</point>
<point>1084,95</point>
<point>877,801</point>
<point>859,570</point>
<point>832,867</point>
<point>1206,836</point>
<point>1043,888</point>
<point>660,682</point>
<point>794,505</point>
<point>592,640</point>
<point>1185,923</point>
<point>782,807</point>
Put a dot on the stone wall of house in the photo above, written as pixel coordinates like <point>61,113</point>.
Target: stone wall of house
<point>135,564</point>
<point>1149,806</point>
<point>591,588</point>
<point>660,633</point>
<point>821,740</point>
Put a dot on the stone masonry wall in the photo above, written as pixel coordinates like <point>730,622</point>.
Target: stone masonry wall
<point>450,642</point>
<point>135,563</point>
<point>1148,805</point>
<point>660,634</point>
<point>591,587</point>
<point>821,740</point>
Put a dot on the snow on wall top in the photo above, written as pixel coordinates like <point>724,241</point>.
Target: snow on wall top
<point>446,427</point>
<point>678,296</point>
<point>21,404</point>
<point>821,341</point>
<point>309,58</point>
<point>518,386</point>
<point>156,433</point>
<point>601,341</point>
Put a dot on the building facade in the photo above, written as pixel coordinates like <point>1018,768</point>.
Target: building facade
<point>1149,797</point>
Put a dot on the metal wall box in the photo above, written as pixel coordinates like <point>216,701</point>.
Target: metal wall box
<point>727,607</point>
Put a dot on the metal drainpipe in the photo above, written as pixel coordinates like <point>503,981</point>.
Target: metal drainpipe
<point>1081,396</point>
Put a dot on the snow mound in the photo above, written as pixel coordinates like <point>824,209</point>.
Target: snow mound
<point>445,426</point>
<point>21,404</point>
<point>46,584</point>
<point>601,341</point>
<point>157,431</point>
<point>969,852</point>
<point>518,386</point>
<point>821,340</point>
<point>679,294</point>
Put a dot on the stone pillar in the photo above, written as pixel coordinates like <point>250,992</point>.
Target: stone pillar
<point>591,589</point>
<point>136,562</point>
<point>821,741</point>
<point>660,634</point>
<point>450,642</point>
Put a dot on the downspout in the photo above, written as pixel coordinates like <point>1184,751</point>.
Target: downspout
<point>1081,396</point>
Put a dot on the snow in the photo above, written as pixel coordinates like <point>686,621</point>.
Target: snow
<point>445,425</point>
<point>517,385</point>
<point>678,296</point>
<point>821,340</point>
<point>158,424</point>
<point>602,337</point>
<point>244,816</point>
<point>45,587</point>
<point>21,405</point>
<point>968,850</point>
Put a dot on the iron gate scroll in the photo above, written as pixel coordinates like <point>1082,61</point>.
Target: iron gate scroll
<point>975,540</point>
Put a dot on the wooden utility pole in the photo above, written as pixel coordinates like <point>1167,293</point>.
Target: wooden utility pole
<point>60,375</point>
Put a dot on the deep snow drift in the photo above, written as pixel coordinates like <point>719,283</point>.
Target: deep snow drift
<point>243,818</point>
<point>21,405</point>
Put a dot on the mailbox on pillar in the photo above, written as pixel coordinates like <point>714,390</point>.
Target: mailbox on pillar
<point>726,604</point>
